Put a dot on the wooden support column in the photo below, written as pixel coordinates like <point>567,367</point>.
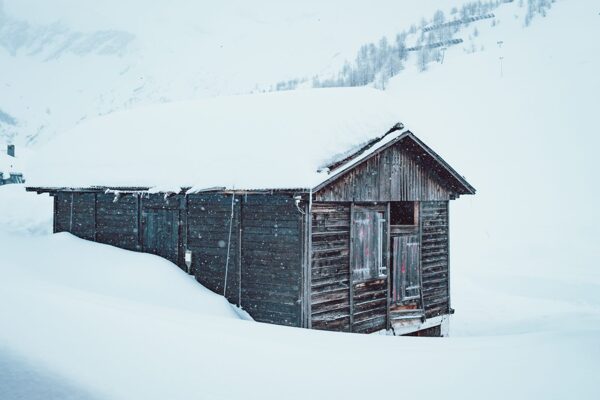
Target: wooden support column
<point>448,252</point>
<point>55,200</point>
<point>239,252</point>
<point>141,222</point>
<point>388,260</point>
<point>309,263</point>
<point>350,272</point>
<point>420,222</point>
<point>183,232</point>
<point>95,217</point>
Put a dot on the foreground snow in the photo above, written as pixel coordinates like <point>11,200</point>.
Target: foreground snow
<point>183,343</point>
<point>85,320</point>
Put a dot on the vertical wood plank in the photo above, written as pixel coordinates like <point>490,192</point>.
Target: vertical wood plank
<point>350,271</point>
<point>388,323</point>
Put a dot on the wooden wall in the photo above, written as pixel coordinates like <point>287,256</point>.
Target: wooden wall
<point>208,219</point>
<point>266,239</point>
<point>370,306</point>
<point>271,263</point>
<point>266,252</point>
<point>363,307</point>
<point>395,174</point>
<point>435,257</point>
<point>117,220</point>
<point>330,267</point>
<point>76,216</point>
<point>335,305</point>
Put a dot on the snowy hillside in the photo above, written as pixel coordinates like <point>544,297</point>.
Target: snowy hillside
<point>63,61</point>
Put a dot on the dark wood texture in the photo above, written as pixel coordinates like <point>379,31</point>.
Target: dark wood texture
<point>75,213</point>
<point>434,257</point>
<point>160,233</point>
<point>395,174</point>
<point>434,331</point>
<point>208,227</point>
<point>330,267</point>
<point>370,306</point>
<point>117,220</point>
<point>262,249</point>
<point>272,259</point>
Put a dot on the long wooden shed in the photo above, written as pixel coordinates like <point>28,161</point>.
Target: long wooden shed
<point>364,250</point>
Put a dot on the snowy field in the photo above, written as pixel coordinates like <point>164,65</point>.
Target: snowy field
<point>89,321</point>
<point>80,320</point>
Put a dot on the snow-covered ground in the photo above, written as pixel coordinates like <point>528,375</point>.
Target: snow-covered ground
<point>84,320</point>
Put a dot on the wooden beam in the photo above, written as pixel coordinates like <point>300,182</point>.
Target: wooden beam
<point>420,222</point>
<point>388,267</point>
<point>239,252</point>
<point>448,252</point>
<point>350,272</point>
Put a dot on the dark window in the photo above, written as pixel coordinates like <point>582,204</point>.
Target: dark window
<point>402,213</point>
<point>407,281</point>
<point>368,244</point>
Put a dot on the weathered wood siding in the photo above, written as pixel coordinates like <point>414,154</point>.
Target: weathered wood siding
<point>161,226</point>
<point>117,220</point>
<point>370,306</point>
<point>265,247</point>
<point>208,227</point>
<point>271,263</point>
<point>395,174</point>
<point>75,213</point>
<point>434,257</point>
<point>330,267</point>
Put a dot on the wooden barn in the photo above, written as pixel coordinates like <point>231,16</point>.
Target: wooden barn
<point>364,250</point>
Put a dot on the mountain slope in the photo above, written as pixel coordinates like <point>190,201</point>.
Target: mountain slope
<point>64,61</point>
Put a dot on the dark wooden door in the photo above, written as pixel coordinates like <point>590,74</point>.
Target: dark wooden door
<point>406,272</point>
<point>161,233</point>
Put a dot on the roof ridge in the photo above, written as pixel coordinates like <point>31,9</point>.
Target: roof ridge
<point>339,163</point>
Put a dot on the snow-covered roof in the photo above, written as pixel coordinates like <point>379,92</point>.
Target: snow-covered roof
<point>283,140</point>
<point>273,140</point>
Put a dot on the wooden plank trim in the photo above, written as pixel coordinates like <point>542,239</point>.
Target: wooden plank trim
<point>350,270</point>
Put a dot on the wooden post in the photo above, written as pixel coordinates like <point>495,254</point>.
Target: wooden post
<point>448,251</point>
<point>388,257</point>
<point>350,272</point>
<point>71,215</point>
<point>308,263</point>
<point>95,217</point>
<point>239,252</point>
<point>420,222</point>
<point>182,232</point>
<point>55,201</point>
<point>141,222</point>
<point>140,227</point>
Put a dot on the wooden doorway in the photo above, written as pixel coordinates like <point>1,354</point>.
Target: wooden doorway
<point>160,228</point>
<point>406,273</point>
